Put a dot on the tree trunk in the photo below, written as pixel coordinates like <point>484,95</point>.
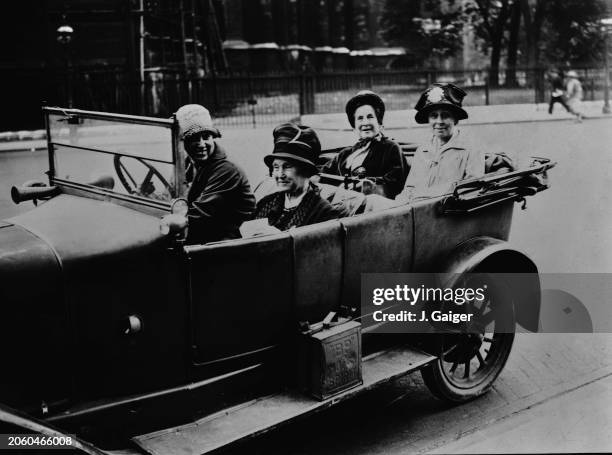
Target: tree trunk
<point>494,65</point>
<point>530,45</point>
<point>533,25</point>
<point>515,22</point>
<point>495,27</point>
<point>538,19</point>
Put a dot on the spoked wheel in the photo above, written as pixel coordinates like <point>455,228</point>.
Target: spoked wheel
<point>469,363</point>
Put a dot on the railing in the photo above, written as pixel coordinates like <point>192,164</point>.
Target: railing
<point>251,100</point>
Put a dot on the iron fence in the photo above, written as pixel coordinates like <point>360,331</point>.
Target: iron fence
<point>251,100</point>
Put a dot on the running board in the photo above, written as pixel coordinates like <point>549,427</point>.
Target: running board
<point>265,414</point>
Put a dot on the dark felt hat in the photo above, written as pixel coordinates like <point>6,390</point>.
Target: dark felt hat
<point>297,143</point>
<point>365,97</point>
<point>447,96</point>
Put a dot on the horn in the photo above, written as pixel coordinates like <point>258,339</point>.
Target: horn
<point>28,193</point>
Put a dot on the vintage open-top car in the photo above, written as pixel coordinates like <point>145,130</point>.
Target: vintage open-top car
<point>115,330</point>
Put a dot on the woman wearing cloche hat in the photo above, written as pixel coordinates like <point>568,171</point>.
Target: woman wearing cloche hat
<point>291,164</point>
<point>374,157</point>
<point>447,157</point>
<point>219,196</point>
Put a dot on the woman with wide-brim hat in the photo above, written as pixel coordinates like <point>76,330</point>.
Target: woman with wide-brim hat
<point>292,164</point>
<point>448,156</point>
<point>374,157</point>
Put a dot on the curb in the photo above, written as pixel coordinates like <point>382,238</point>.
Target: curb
<point>491,122</point>
<point>479,115</point>
<point>23,135</point>
<point>40,134</point>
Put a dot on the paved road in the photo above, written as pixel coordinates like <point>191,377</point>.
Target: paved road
<point>565,229</point>
<point>544,372</point>
<point>534,429</point>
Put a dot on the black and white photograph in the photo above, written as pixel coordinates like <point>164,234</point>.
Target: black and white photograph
<point>305,227</point>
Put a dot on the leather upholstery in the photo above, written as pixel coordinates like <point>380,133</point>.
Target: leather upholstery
<point>376,202</point>
<point>349,200</point>
<point>498,163</point>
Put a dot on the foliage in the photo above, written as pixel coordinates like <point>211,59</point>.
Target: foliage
<point>488,19</point>
<point>573,31</point>
<point>425,28</point>
<point>548,31</point>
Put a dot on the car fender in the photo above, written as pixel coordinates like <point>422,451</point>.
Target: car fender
<point>487,254</point>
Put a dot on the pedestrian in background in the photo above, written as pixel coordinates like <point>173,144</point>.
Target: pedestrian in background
<point>574,94</point>
<point>557,90</point>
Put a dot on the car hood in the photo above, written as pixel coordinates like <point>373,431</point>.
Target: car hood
<point>77,228</point>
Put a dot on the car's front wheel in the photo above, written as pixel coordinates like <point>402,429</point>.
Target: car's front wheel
<point>468,363</point>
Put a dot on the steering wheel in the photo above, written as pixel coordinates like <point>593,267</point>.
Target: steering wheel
<point>146,187</point>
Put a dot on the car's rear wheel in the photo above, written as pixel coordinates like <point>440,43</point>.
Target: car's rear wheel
<point>469,363</point>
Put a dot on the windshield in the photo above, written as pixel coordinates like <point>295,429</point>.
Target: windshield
<point>121,154</point>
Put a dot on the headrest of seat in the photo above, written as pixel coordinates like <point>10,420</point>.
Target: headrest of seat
<point>498,163</point>
<point>376,202</point>
<point>348,200</point>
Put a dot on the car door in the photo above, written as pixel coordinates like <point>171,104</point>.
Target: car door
<point>248,295</point>
<point>241,294</point>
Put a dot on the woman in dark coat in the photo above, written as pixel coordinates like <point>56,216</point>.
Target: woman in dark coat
<point>220,196</point>
<point>291,164</point>
<point>374,157</point>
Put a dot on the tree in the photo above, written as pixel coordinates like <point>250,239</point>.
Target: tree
<point>551,31</point>
<point>489,18</point>
<point>573,35</point>
<point>533,33</point>
<point>427,29</point>
<point>513,45</point>
<point>534,13</point>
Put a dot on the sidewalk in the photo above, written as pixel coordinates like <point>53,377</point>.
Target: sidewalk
<point>479,115</point>
<point>576,421</point>
<point>394,120</point>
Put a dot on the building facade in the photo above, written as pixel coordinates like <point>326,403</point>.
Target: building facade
<point>263,35</point>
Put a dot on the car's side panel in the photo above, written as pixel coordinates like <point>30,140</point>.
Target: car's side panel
<point>123,269</point>
<point>437,234</point>
<point>380,242</point>
<point>317,253</point>
<point>520,274</point>
<point>34,333</point>
<point>241,297</point>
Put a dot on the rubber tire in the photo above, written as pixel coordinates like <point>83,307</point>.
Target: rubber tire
<point>439,384</point>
